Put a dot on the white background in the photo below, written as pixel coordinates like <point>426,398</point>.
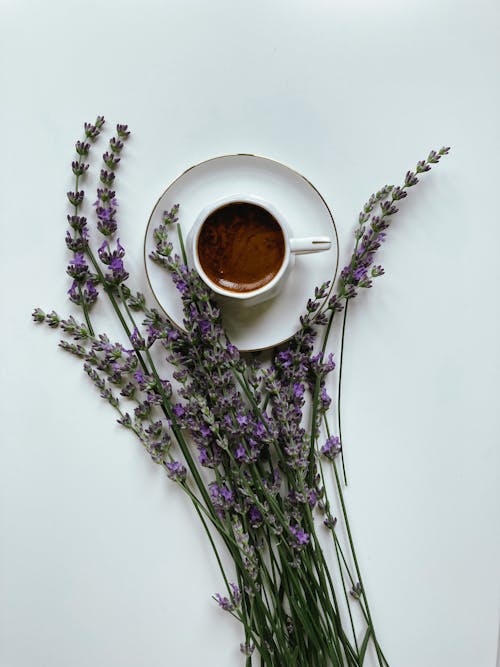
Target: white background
<point>102,562</point>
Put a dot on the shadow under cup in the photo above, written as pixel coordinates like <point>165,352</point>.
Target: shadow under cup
<point>241,247</point>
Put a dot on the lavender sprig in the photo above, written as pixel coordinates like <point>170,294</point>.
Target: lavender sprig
<point>83,290</point>
<point>361,270</point>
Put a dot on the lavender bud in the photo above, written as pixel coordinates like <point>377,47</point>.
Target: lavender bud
<point>422,166</point>
<point>75,198</point>
<point>223,602</point>
<point>128,390</point>
<point>398,193</point>
<point>330,522</point>
<point>77,350</point>
<point>169,217</point>
<point>356,591</point>
<point>78,222</point>
<point>82,148</point>
<point>137,302</point>
<point>110,160</point>
<point>335,304</point>
<point>78,268</point>
<point>377,271</point>
<point>91,131</point>
<point>331,448</point>
<point>116,145</point>
<point>107,177</point>
<point>53,319</point>
<point>99,122</point>
<point>321,291</point>
<point>247,649</point>
<point>76,244</point>
<point>38,315</point>
<point>125,421</point>
<point>176,471</point>
<point>122,131</point>
<point>410,179</point>
<point>106,195</point>
<point>138,342</point>
<point>301,538</point>
<point>388,208</point>
<point>79,168</point>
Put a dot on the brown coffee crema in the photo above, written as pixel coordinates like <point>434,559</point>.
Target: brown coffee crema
<point>241,247</point>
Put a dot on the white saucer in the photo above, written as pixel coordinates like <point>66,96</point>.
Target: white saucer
<point>274,321</point>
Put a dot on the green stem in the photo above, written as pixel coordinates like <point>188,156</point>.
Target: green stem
<point>85,311</point>
<point>339,388</point>
<point>381,659</point>
<point>181,242</point>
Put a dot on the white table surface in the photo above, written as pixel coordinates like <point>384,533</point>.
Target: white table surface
<point>102,562</point>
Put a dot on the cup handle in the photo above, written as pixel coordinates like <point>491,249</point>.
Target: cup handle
<point>310,244</point>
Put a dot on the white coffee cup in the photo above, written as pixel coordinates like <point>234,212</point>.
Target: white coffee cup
<point>292,246</point>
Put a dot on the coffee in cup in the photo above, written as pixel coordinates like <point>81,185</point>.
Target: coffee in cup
<point>243,249</point>
<point>241,246</point>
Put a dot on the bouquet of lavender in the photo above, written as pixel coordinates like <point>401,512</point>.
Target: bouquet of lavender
<point>250,443</point>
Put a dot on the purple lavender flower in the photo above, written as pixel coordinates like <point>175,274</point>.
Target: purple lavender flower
<point>298,390</point>
<point>181,285</point>
<point>225,603</point>
<point>222,496</point>
<point>331,448</point>
<point>77,243</point>
<point>140,378</point>
<point>301,537</point>
<point>312,497</point>
<point>74,293</point>
<point>178,410</point>
<point>241,453</point>
<point>255,517</point>
<point>204,327</point>
<point>90,293</point>
<point>78,268</point>
<point>176,471</point>
<point>137,340</point>
<point>106,223</point>
<point>118,274</point>
<point>106,255</point>
<point>204,430</point>
<point>242,420</point>
<point>324,399</point>
<point>106,196</point>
